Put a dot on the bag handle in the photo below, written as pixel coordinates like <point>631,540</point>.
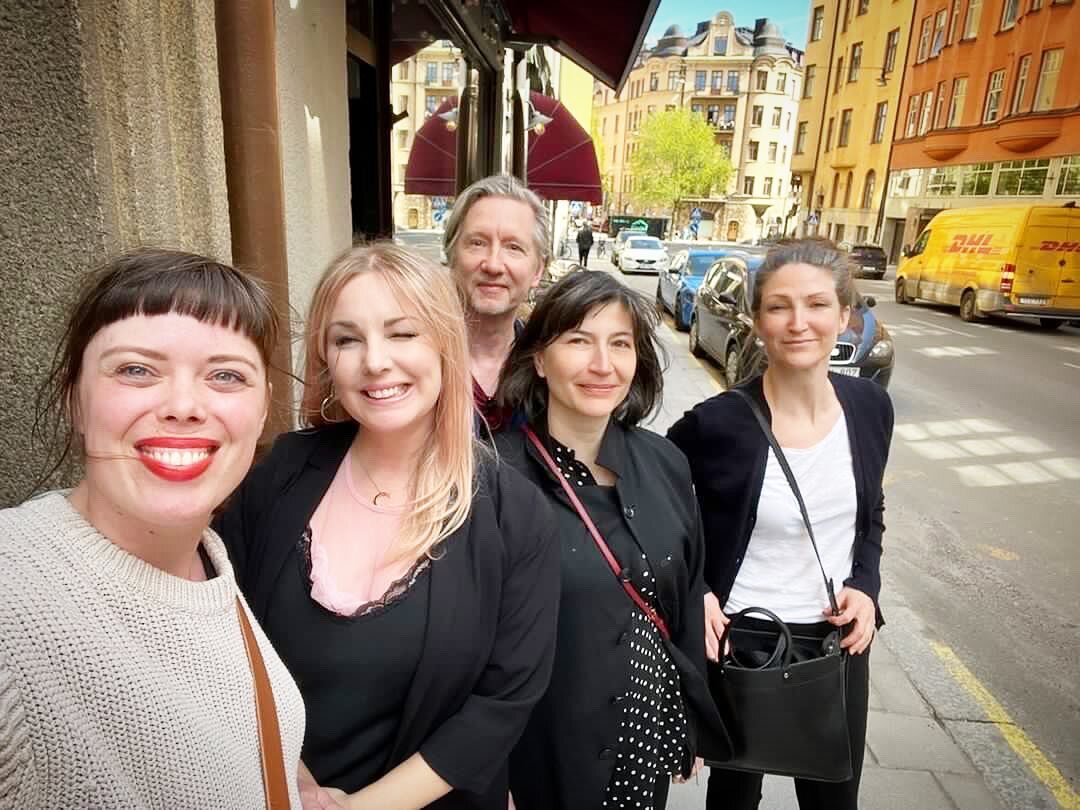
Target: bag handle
<point>613,563</point>
<point>783,462</point>
<point>275,787</point>
<point>784,641</point>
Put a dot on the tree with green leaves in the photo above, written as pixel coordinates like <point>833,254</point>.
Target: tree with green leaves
<point>676,157</point>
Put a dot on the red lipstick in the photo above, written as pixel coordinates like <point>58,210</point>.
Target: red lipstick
<point>177,458</point>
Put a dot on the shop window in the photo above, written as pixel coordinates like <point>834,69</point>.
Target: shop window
<point>1069,177</point>
<point>975,179</point>
<point>1023,178</point>
<point>942,182</point>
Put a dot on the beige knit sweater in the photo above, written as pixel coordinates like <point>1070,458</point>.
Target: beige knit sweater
<point>122,686</point>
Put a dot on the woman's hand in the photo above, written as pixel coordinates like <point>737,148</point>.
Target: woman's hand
<point>857,609</point>
<point>698,764</point>
<point>314,797</point>
<point>715,622</point>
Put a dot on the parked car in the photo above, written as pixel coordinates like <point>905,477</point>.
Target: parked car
<point>675,289</point>
<point>869,261</point>
<point>644,254</point>
<point>998,260</point>
<point>721,328</point>
<point>619,242</point>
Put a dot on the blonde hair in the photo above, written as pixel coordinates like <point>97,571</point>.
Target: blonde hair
<point>443,482</point>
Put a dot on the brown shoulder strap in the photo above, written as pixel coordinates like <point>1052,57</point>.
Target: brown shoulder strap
<point>275,786</point>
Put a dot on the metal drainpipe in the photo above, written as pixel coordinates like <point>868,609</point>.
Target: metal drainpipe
<point>248,82</point>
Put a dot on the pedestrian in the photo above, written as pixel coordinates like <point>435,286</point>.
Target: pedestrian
<point>584,244</point>
<point>124,643</point>
<point>497,243</point>
<point>601,248</point>
<point>407,580</point>
<point>835,431</point>
<point>628,699</point>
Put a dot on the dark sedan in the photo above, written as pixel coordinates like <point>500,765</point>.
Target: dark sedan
<point>868,261</point>
<point>721,327</point>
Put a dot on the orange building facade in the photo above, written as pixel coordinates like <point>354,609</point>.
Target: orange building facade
<point>990,110</point>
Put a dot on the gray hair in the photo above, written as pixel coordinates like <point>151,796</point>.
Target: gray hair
<point>814,251</point>
<point>499,185</point>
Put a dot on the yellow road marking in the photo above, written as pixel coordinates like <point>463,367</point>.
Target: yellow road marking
<point>998,553</point>
<point>1043,769</point>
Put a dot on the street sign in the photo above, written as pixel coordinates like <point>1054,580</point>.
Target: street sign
<point>438,203</point>
<point>695,215</point>
<point>812,220</point>
<point>639,225</point>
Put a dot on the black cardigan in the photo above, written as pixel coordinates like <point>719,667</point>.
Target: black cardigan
<point>492,612</point>
<point>552,768</point>
<point>728,453</point>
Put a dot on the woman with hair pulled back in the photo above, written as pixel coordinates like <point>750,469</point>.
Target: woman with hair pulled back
<point>408,581</point>
<point>835,432</point>
<point>124,664</point>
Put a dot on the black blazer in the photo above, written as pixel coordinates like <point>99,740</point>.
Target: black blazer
<point>564,762</point>
<point>492,614</point>
<point>728,453</point>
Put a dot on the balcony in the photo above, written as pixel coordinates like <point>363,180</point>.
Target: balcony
<point>723,127</point>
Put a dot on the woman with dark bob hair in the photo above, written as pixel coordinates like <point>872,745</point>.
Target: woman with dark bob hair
<point>132,673</point>
<point>628,701</point>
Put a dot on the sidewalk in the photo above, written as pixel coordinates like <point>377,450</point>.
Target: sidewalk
<point>925,735</point>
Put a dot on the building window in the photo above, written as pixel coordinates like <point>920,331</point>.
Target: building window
<point>776,112</point>
<point>432,74</point>
<point>733,81</point>
<point>783,158</point>
<point>654,81</point>
<point>924,40</point>
<point>940,21</point>
<point>828,134</point>
<point>1023,178</point>
<point>431,103</point>
<point>864,8</point>
<point>942,182</point>
<point>839,74</point>
<point>912,116</point>
<point>762,80</point>
<point>729,114</point>
<point>956,103</point>
<point>1069,178</point>
<point>971,21</point>
<point>954,21</point>
<point>696,109</point>
<point>856,62</point>
<point>753,154</point>
<point>846,17</point>
<point>994,90</point>
<point>772,151</point>
<point>817,23</point>
<point>1021,84</point>
<point>449,69</point>
<point>787,122</point>
<point>862,232</point>
<point>868,189</point>
<point>847,189</point>
<point>845,129</point>
<point>673,80</point>
<point>892,45</point>
<point>757,115</point>
<point>717,79</point>
<point>719,46</point>
<point>403,104</point>
<point>616,132</point>
<point>748,186</point>
<point>701,79</point>
<point>403,71</point>
<point>975,179</point>
<point>835,188</point>
<point>927,111</point>
<point>402,138</point>
<point>766,187</point>
<point>781,82</point>
<point>1048,77</point>
<point>1008,14</point>
<point>800,137</point>
<point>714,114</point>
<point>808,81</point>
<point>881,115</point>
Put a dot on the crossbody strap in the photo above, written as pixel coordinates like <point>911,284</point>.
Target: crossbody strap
<point>790,476</point>
<point>275,787</point>
<point>613,563</point>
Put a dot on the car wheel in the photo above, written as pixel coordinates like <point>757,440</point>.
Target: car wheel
<point>731,367</point>
<point>680,324</point>
<point>695,346</point>
<point>968,311</point>
<point>901,293</point>
<point>1050,324</point>
<point>659,300</point>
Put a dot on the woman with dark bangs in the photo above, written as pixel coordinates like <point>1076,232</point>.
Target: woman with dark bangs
<point>628,704</point>
<point>124,644</point>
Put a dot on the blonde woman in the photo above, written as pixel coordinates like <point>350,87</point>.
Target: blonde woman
<point>408,582</point>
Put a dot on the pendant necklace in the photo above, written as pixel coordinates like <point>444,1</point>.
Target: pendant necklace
<point>379,491</point>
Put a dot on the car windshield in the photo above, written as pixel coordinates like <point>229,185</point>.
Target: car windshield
<point>644,244</point>
<point>699,265</point>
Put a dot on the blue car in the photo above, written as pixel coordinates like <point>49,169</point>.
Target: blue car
<point>676,288</point>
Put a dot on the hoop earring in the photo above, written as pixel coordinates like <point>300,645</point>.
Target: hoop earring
<point>327,401</point>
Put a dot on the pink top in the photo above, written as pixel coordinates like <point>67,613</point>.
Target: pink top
<point>350,541</point>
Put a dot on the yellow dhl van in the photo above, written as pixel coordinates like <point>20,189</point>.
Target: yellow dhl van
<point>998,260</point>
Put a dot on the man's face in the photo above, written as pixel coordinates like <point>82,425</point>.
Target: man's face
<point>495,260</point>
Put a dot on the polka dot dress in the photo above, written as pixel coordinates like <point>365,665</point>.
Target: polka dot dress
<point>653,732</point>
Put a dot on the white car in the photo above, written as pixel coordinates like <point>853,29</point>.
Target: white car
<point>643,254</point>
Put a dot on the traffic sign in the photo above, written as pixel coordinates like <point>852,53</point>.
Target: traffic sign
<point>695,215</point>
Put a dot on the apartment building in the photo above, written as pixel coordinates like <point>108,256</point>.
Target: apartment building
<point>745,82</point>
<point>991,110</point>
<point>851,90</point>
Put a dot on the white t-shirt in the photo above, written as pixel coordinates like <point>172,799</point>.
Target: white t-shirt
<point>779,570</point>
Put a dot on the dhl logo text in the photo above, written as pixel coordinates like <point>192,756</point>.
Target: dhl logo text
<point>1059,247</point>
<point>973,243</point>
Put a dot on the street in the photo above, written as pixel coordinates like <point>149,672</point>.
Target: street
<point>979,572</point>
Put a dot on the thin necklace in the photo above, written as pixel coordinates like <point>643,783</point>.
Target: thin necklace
<point>379,491</point>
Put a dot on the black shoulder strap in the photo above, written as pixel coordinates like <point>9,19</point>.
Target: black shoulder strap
<point>790,476</point>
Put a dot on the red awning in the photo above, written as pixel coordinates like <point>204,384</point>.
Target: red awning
<point>432,166</point>
<point>603,36</point>
<point>562,160</point>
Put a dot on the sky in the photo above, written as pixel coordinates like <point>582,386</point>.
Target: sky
<point>793,16</point>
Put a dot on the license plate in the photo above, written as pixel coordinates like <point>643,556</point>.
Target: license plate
<point>1038,302</point>
<point>870,268</point>
<point>849,371</point>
